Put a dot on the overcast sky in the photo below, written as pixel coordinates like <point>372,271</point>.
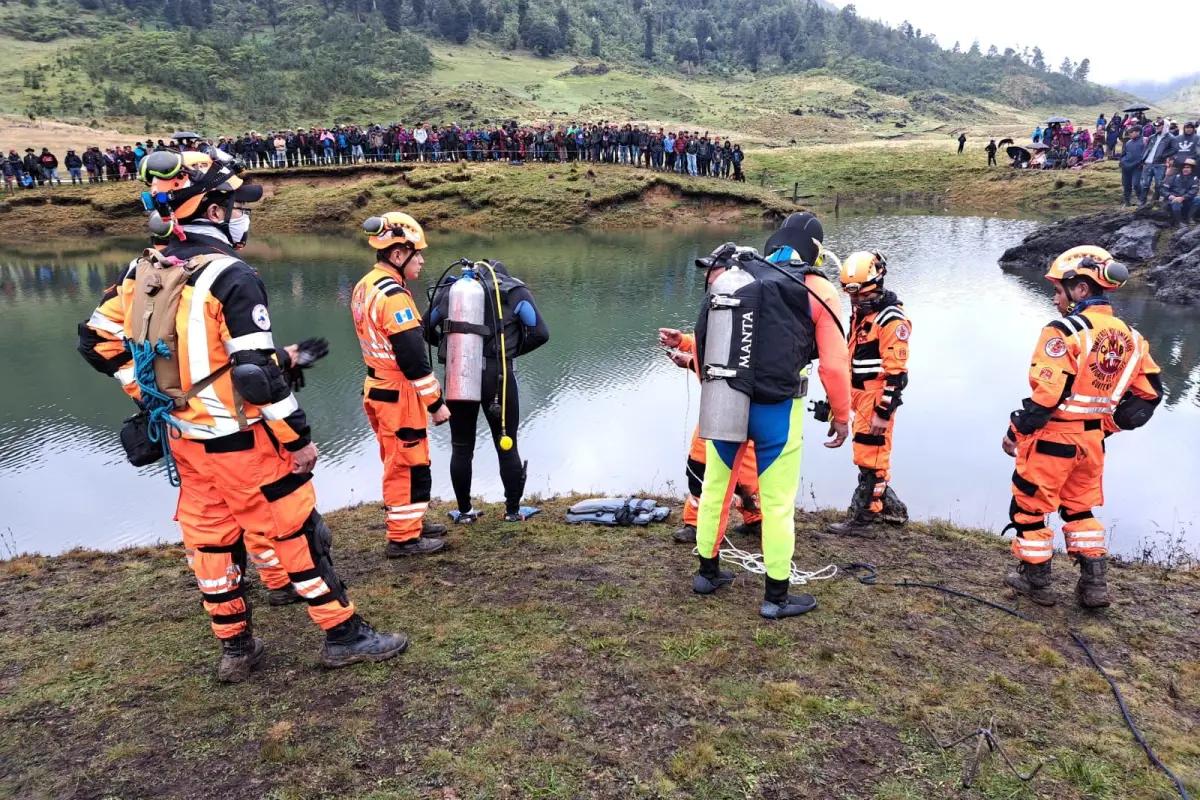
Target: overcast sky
<point>1107,32</point>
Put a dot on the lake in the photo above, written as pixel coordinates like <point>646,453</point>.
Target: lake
<point>603,410</point>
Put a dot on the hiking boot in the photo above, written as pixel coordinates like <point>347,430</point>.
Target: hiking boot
<point>239,655</point>
<point>432,529</point>
<point>419,546</point>
<point>283,596</point>
<point>750,529</point>
<point>860,524</point>
<point>354,640</point>
<point>710,577</point>
<point>1032,581</point>
<point>1092,589</point>
<point>685,535</point>
<point>778,604</point>
<point>894,511</point>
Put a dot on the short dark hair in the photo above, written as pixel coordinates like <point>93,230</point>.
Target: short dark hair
<point>1094,289</point>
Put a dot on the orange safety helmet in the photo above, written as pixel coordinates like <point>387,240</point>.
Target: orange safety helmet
<point>180,181</point>
<point>394,227</point>
<point>863,271</point>
<point>1092,262</point>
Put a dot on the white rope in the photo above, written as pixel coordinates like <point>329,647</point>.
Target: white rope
<point>753,563</point>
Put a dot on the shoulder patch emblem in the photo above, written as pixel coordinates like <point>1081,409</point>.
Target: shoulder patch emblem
<point>1056,347</point>
<point>403,316</point>
<point>903,331</point>
<point>261,318</point>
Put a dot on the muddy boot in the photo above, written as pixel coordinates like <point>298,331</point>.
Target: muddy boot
<point>354,640</point>
<point>283,596</point>
<point>419,546</point>
<point>239,655</point>
<point>894,511</point>
<point>750,529</point>
<point>1032,581</point>
<point>777,603</point>
<point>432,529</point>
<point>862,493</point>
<point>710,577</point>
<point>1092,589</point>
<point>860,524</point>
<point>685,535</point>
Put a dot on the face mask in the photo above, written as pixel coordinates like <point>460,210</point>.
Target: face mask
<point>239,228</point>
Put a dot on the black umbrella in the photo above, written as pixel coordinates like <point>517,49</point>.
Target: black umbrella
<point>1019,153</point>
<point>1057,120</point>
<point>1136,108</point>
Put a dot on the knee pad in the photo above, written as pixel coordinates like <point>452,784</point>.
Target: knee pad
<point>421,483</point>
<point>320,549</point>
<point>695,477</point>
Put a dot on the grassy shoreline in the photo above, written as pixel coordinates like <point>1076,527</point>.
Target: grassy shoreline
<point>858,178</point>
<point>558,661</point>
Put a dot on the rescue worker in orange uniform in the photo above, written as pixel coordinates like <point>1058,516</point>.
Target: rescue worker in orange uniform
<point>1092,375</point>
<point>401,392</point>
<point>879,335</point>
<point>241,444</point>
<point>102,344</point>
<point>746,493</point>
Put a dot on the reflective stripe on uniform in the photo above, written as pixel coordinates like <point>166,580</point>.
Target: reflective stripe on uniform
<point>281,409</point>
<point>311,588</point>
<point>1034,548</point>
<point>251,341</point>
<point>126,376</point>
<point>196,430</point>
<point>103,323</point>
<point>198,364</point>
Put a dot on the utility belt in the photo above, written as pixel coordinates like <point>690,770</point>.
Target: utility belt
<point>1074,425</point>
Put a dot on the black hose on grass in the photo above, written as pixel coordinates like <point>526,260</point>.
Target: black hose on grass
<point>871,578</point>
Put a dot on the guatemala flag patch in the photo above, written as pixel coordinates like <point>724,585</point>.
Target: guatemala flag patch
<point>404,315</point>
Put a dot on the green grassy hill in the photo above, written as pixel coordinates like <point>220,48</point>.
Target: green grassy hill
<point>776,70</point>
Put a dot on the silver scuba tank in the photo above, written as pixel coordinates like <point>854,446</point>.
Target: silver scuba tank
<point>464,350</point>
<point>724,411</point>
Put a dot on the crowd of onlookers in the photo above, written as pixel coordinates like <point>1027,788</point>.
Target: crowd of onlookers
<point>685,152</point>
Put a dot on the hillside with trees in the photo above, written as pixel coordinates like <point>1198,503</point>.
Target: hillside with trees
<point>269,62</point>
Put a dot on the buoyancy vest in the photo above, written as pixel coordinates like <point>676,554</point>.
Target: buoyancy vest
<point>774,335</point>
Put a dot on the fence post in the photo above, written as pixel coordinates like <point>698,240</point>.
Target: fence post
<point>795,191</point>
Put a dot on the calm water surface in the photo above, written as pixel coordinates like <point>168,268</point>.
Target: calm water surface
<point>603,411</point>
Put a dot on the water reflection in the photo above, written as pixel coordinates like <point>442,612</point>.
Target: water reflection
<point>603,410</point>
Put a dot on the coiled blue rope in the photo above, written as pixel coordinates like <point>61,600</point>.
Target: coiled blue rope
<point>157,405</point>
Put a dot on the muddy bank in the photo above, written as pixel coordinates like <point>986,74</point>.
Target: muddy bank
<point>441,196</point>
<point>558,661</point>
<point>1166,257</point>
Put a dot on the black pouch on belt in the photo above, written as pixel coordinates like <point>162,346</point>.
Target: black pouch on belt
<point>140,450</point>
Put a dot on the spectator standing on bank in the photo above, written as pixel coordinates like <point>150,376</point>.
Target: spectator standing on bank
<point>1132,155</point>
<point>962,142</point>
<point>74,165</point>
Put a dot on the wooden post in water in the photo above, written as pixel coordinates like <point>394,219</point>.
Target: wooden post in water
<point>837,205</point>
<point>795,192</point>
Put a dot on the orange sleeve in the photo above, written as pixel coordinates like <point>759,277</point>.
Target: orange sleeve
<point>833,364</point>
<point>1052,365</point>
<point>1147,384</point>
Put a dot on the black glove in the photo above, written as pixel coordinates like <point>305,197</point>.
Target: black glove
<point>308,353</point>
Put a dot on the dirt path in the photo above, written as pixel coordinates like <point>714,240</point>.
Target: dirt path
<point>20,132</point>
<point>550,661</point>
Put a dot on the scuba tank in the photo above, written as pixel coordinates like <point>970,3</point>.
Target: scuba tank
<point>725,411</point>
<point>464,339</point>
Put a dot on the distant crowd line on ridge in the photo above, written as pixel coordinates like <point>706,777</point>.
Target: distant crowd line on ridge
<point>684,152</point>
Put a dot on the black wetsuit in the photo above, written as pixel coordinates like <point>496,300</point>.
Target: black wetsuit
<point>520,339</point>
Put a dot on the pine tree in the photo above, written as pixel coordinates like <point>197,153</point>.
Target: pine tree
<point>1066,67</point>
<point>563,20</point>
<point>595,49</point>
<point>1081,72</point>
<point>391,14</point>
<point>1039,59</point>
<point>974,51</point>
<point>418,10</point>
<point>648,45</point>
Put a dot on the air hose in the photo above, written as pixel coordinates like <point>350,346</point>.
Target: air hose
<point>871,578</point>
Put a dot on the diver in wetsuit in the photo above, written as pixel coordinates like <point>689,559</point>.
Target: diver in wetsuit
<point>521,328</point>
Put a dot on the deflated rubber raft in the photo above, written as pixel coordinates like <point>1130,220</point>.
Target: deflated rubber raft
<point>617,511</point>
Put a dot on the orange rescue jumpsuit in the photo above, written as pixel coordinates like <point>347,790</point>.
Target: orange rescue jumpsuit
<point>879,373</point>
<point>102,344</point>
<point>746,492</point>
<point>1082,367</point>
<point>237,484</point>
<point>399,393</point>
